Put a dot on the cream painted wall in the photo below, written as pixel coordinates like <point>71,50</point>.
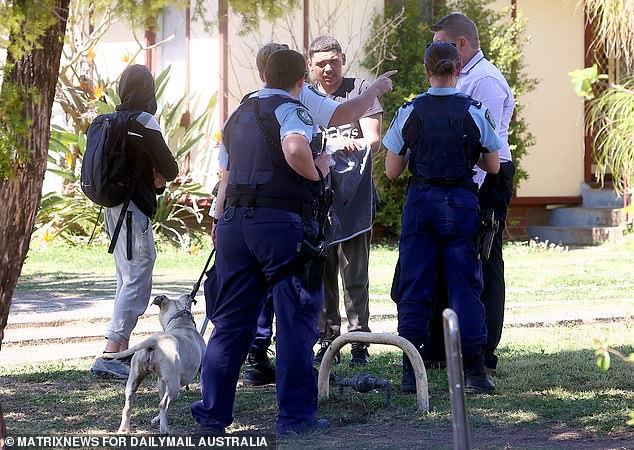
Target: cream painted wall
<point>555,113</point>
<point>348,21</point>
<point>113,49</point>
<point>203,76</point>
<point>242,72</point>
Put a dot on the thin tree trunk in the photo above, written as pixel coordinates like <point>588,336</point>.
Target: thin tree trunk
<point>3,430</point>
<point>20,195</point>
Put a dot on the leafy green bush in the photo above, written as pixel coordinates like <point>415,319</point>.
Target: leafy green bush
<point>71,216</point>
<point>402,47</point>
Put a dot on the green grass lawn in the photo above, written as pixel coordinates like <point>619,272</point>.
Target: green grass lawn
<point>592,278</point>
<point>551,393</point>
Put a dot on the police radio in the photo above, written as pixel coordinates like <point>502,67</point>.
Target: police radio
<point>318,142</point>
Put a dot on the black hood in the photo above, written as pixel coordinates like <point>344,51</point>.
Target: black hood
<point>136,90</point>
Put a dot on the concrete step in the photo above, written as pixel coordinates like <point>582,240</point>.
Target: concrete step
<point>600,198</point>
<point>576,235</point>
<point>587,217</point>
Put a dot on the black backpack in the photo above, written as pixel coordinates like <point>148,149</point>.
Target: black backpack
<point>107,176</point>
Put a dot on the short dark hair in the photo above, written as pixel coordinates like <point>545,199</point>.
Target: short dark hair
<point>324,44</point>
<point>441,58</point>
<point>457,25</point>
<point>265,53</point>
<point>284,69</point>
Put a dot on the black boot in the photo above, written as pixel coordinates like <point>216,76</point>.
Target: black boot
<point>476,380</point>
<point>323,347</point>
<point>259,370</point>
<point>408,381</point>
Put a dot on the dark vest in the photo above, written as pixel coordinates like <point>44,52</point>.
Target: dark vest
<point>257,166</point>
<point>442,153</point>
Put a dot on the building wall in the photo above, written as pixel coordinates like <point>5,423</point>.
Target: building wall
<point>553,111</point>
<point>204,81</point>
<point>349,22</point>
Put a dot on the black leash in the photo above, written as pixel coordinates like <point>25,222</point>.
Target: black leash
<point>200,279</point>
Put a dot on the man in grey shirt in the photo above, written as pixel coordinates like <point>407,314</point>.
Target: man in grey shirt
<point>350,227</point>
<point>326,113</point>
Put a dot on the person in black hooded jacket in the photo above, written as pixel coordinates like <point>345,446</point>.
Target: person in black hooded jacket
<point>135,251</point>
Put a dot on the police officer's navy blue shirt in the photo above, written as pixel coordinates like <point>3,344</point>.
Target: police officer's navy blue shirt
<point>405,126</point>
<point>293,119</point>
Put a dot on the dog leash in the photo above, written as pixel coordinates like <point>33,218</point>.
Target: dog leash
<point>192,296</point>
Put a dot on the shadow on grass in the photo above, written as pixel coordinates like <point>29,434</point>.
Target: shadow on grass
<point>557,400</point>
<point>73,291</point>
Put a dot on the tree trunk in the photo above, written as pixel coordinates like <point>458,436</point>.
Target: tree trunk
<point>20,195</point>
<point>3,430</point>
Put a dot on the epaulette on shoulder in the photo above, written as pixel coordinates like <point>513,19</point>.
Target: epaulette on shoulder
<point>474,102</point>
<point>247,96</point>
<point>316,91</point>
<point>411,100</point>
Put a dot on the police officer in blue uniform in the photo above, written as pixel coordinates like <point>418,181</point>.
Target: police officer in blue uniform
<point>444,134</point>
<point>266,206</point>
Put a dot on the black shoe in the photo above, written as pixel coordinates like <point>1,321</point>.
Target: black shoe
<point>304,427</point>
<point>258,370</point>
<point>408,381</point>
<point>359,356</point>
<point>433,359</point>
<point>476,381</point>
<point>211,430</point>
<point>322,351</point>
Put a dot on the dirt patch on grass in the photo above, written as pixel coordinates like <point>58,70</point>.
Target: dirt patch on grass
<point>401,434</point>
<point>65,398</point>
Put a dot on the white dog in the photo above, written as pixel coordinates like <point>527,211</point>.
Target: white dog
<point>174,355</point>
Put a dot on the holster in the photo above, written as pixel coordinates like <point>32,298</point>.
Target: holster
<point>396,281</point>
<point>488,228</point>
<point>314,258</point>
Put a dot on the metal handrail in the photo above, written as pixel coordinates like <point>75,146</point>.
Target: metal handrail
<point>422,392</point>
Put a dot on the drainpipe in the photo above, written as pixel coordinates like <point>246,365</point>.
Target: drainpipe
<point>306,26</point>
<point>223,29</point>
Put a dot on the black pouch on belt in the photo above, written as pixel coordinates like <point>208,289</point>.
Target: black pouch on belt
<point>314,256</point>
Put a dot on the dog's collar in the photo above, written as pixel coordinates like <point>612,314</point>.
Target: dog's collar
<point>184,312</point>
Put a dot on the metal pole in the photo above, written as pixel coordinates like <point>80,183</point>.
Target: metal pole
<point>455,374</point>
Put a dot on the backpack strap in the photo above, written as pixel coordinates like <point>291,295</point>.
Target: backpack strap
<point>126,202</point>
<point>124,209</point>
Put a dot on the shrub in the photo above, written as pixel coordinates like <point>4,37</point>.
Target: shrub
<point>70,215</point>
<point>402,47</point>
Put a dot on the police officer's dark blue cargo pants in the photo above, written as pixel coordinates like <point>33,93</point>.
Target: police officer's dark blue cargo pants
<point>253,243</point>
<point>440,221</point>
